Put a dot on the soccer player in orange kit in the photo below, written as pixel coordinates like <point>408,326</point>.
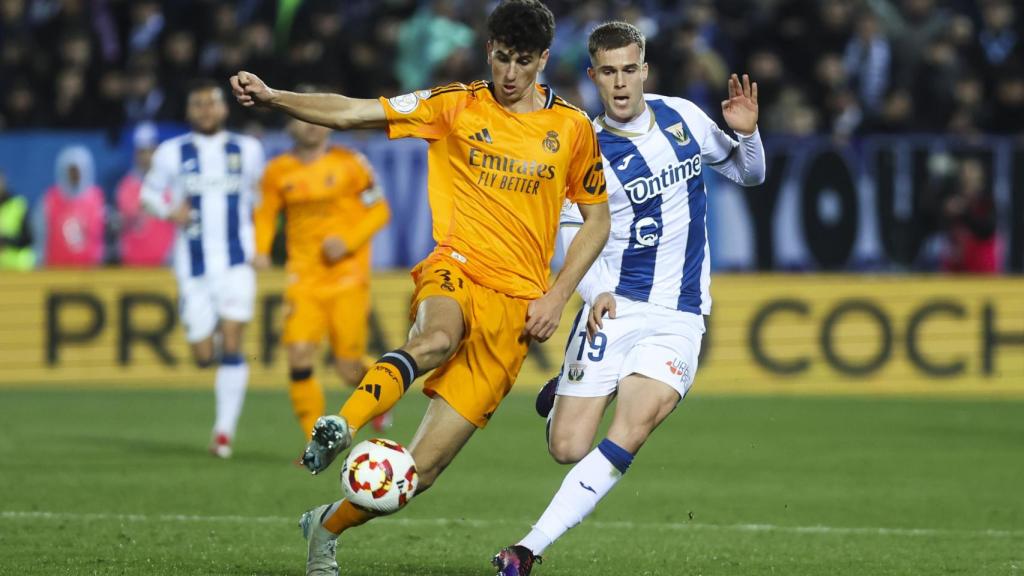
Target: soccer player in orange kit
<point>503,157</point>
<point>333,206</point>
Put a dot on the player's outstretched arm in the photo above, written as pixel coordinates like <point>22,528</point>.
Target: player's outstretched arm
<point>330,110</point>
<point>592,283</point>
<point>585,247</point>
<point>544,313</point>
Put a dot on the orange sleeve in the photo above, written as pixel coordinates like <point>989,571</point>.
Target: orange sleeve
<point>586,183</point>
<point>377,214</point>
<point>265,215</point>
<point>355,237</point>
<point>426,114</point>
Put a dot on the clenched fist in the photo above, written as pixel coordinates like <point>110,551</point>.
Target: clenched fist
<point>249,90</point>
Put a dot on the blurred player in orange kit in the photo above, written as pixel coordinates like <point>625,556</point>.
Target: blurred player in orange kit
<point>503,157</point>
<point>333,206</point>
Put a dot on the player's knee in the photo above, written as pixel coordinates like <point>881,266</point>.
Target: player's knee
<point>203,362</point>
<point>301,355</point>
<point>435,343</point>
<point>351,371</point>
<point>567,450</point>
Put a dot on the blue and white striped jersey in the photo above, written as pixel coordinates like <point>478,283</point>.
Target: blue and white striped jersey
<point>218,176</point>
<point>657,250</point>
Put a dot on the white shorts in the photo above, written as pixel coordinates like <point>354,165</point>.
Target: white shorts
<point>205,300</point>
<point>643,338</point>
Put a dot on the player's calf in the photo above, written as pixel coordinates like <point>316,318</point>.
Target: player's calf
<point>307,397</point>
<point>573,427</point>
<point>568,449</point>
<point>382,387</point>
<point>351,371</point>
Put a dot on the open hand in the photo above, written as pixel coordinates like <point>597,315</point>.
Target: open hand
<point>604,304</point>
<point>740,110</point>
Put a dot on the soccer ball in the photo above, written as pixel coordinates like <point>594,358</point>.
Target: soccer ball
<point>379,476</point>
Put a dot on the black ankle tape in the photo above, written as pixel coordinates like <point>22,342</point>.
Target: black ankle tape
<point>301,374</point>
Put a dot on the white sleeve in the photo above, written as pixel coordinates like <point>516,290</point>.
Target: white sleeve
<point>158,180</point>
<point>742,161</point>
<point>568,225</point>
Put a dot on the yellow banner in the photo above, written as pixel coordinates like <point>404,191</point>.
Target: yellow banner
<point>120,327</point>
<point>768,334</point>
<point>866,334</point>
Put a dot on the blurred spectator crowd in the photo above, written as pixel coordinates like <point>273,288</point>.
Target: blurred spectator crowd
<point>825,67</point>
<point>836,67</point>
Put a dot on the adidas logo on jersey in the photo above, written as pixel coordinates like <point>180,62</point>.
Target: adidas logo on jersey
<point>482,136</point>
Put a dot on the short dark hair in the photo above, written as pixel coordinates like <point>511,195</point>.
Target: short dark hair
<point>522,25</point>
<point>200,84</point>
<point>615,34</point>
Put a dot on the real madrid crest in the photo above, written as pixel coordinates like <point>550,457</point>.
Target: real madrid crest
<point>550,142</point>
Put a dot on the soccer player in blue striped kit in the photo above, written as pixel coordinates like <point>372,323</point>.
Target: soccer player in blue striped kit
<point>646,295</point>
<point>205,182</point>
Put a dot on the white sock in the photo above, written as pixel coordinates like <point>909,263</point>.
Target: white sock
<point>584,486</point>
<point>232,379</point>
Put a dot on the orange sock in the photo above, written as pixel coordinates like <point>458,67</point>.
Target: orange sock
<point>346,516</point>
<point>380,389</point>
<point>307,399</point>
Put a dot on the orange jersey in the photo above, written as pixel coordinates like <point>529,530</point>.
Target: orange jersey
<point>335,195</point>
<point>497,179</point>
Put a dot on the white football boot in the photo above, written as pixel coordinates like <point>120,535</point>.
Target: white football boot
<point>321,553</point>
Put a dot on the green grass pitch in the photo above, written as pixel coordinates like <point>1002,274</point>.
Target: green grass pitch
<point>118,482</point>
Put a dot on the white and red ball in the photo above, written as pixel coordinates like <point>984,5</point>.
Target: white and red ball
<point>379,476</point>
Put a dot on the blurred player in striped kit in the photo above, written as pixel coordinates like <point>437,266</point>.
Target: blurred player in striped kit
<point>204,181</point>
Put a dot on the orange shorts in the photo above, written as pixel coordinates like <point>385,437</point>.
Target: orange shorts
<point>313,311</point>
<point>481,372</point>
